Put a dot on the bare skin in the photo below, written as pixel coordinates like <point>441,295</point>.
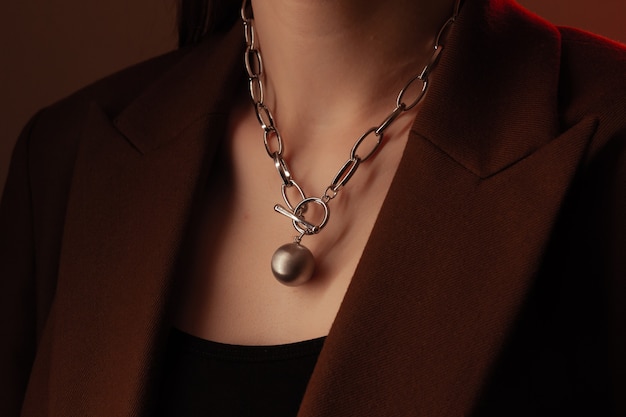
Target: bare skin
<point>333,70</point>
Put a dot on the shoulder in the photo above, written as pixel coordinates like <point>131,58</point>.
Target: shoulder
<point>163,86</point>
<point>592,86</point>
<point>50,141</point>
<point>592,75</point>
<point>574,39</point>
<point>45,152</point>
<point>112,94</point>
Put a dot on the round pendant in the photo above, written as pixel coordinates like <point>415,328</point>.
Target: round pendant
<point>293,264</point>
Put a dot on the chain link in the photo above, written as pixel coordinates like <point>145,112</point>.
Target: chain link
<point>268,135</point>
<point>283,190</point>
<point>273,141</point>
<point>283,169</point>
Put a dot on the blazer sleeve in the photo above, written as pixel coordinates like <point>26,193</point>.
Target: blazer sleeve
<point>615,227</point>
<point>17,280</point>
<point>604,264</point>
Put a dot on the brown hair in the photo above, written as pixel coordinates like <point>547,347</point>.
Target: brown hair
<point>198,18</point>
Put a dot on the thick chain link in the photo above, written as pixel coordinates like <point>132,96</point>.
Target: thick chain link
<point>373,137</point>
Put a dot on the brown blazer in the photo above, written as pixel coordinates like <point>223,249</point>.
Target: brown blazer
<point>493,284</point>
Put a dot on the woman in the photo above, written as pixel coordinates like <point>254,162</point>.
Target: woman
<point>473,265</point>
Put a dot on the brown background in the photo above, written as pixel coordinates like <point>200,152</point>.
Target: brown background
<point>53,47</point>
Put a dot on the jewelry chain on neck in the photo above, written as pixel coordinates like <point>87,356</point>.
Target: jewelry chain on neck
<point>274,144</point>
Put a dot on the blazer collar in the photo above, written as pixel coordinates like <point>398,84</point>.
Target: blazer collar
<point>496,83</point>
<point>202,83</point>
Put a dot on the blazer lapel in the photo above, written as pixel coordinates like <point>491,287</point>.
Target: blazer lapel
<point>461,233</point>
<point>130,202</point>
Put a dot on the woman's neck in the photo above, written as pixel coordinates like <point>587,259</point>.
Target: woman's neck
<point>334,62</point>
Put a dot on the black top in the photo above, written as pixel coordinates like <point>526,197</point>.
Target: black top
<point>205,378</point>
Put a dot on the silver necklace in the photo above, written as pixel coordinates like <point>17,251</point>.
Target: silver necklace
<point>293,264</point>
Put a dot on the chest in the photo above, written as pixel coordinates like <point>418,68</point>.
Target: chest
<point>232,295</point>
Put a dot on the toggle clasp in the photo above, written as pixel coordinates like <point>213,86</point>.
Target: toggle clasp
<point>297,219</point>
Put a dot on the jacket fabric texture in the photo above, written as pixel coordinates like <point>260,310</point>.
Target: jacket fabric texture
<point>493,283</point>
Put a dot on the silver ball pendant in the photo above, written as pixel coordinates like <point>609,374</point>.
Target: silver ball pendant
<point>293,264</point>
